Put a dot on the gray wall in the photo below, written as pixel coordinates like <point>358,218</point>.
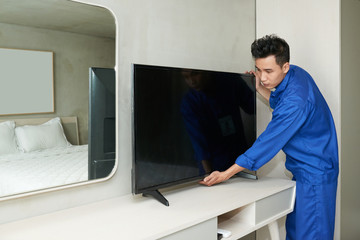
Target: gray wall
<point>73,55</point>
<point>350,119</point>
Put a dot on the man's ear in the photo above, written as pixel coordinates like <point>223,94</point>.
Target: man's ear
<point>286,67</point>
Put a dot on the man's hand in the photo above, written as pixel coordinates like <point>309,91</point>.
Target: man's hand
<point>258,84</point>
<point>218,177</point>
<point>214,178</point>
<point>263,91</point>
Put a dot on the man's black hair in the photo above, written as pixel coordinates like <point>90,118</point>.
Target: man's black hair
<point>271,45</point>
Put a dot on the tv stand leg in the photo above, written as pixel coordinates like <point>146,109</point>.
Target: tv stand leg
<point>247,175</point>
<point>158,196</point>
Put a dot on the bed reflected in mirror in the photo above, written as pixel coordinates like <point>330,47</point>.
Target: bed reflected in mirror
<point>46,150</point>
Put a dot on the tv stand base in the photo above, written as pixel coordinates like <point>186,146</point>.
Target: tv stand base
<point>158,196</point>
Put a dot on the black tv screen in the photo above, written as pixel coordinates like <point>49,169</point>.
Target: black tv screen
<point>187,123</point>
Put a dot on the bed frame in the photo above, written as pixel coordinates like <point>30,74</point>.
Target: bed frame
<point>70,126</point>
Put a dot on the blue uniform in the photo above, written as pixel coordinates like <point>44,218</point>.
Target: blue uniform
<point>303,127</point>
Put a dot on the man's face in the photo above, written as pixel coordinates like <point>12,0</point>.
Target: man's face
<point>269,72</point>
<point>193,79</point>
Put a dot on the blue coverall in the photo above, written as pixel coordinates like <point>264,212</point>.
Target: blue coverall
<point>303,127</point>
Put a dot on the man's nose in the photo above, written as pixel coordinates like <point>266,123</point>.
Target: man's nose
<point>263,77</point>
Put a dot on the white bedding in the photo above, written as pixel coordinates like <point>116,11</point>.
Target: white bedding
<point>24,172</point>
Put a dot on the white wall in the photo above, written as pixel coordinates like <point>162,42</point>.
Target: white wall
<point>312,29</point>
<point>205,34</point>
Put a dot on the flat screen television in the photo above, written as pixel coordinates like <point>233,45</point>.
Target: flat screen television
<point>188,123</point>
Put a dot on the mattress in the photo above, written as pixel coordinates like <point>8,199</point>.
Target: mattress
<point>24,172</point>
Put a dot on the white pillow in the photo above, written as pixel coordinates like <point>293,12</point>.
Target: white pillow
<point>7,138</point>
<point>44,136</point>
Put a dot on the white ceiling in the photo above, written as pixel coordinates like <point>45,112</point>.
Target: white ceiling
<point>61,15</point>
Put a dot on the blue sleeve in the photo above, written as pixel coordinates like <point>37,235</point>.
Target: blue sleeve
<point>286,121</point>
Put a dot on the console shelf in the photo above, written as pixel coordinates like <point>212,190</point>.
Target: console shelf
<point>195,212</point>
<point>239,221</point>
<point>246,219</point>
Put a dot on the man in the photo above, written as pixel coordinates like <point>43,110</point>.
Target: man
<point>302,126</point>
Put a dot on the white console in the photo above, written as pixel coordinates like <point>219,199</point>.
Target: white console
<point>195,212</point>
